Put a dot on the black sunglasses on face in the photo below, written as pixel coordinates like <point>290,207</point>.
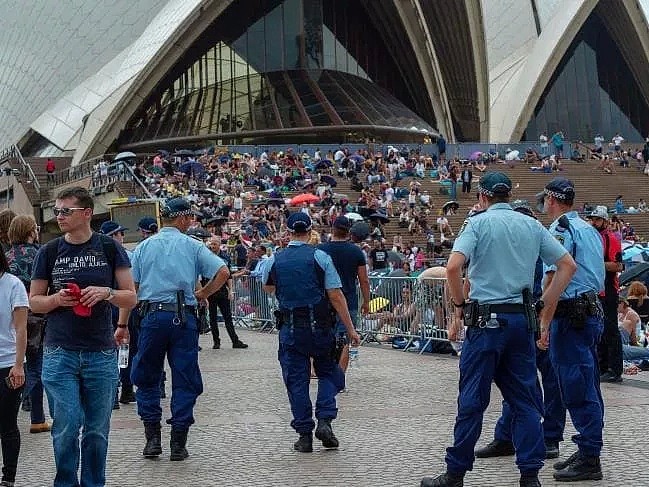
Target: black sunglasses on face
<point>65,211</point>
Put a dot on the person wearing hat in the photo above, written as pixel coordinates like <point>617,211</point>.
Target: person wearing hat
<point>554,412</point>
<point>306,285</point>
<point>169,323</point>
<point>609,349</point>
<point>575,330</point>
<point>350,262</point>
<point>147,226</point>
<point>115,231</point>
<point>501,247</point>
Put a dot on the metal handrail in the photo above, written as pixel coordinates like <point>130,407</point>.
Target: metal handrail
<point>136,179</point>
<point>27,168</point>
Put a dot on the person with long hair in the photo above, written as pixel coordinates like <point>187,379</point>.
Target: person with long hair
<point>639,300</point>
<point>6,216</point>
<point>13,340</point>
<point>23,237</point>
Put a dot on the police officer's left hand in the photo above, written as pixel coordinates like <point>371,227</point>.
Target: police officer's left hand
<point>355,339</point>
<point>92,295</point>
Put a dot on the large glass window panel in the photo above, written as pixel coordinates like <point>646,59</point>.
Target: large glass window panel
<point>293,35</point>
<point>274,40</point>
<point>312,13</point>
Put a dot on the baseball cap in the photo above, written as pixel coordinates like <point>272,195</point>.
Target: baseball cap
<point>599,212</point>
<point>148,224</point>
<point>522,206</point>
<point>495,183</point>
<point>199,233</point>
<point>110,228</point>
<point>299,222</point>
<point>176,207</point>
<point>342,223</point>
<point>360,231</point>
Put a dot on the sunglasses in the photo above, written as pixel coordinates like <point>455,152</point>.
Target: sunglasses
<point>65,211</point>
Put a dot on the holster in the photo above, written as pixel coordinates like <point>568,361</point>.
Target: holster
<point>471,313</point>
<point>180,304</point>
<point>530,311</point>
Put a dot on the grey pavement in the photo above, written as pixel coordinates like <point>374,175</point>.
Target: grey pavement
<point>393,426</point>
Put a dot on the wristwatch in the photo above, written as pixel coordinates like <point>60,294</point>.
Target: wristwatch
<point>111,294</point>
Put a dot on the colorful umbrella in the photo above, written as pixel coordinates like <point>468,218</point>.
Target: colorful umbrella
<point>304,198</point>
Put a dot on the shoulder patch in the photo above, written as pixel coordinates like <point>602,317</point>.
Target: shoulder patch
<point>560,238</point>
<point>464,224</point>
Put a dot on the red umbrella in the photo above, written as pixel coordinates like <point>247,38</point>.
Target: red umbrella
<point>304,198</point>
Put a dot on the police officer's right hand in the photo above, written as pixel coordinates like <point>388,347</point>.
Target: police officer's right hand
<point>544,342</point>
<point>355,339</point>
<point>65,299</point>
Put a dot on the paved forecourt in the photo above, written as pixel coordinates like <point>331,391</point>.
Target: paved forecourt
<point>393,426</point>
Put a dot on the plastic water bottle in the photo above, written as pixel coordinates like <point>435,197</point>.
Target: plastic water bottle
<point>353,356</point>
<point>122,356</point>
<point>457,344</point>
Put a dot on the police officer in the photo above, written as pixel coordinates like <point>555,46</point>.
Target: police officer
<point>306,285</point>
<point>554,416</point>
<point>147,226</point>
<point>575,331</point>
<point>501,247</point>
<point>169,326</point>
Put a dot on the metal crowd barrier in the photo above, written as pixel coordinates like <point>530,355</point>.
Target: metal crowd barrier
<point>408,312</point>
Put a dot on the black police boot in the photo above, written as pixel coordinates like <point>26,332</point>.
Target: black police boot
<point>529,481</point>
<point>551,449</point>
<point>444,480</point>
<point>127,395</point>
<point>325,434</point>
<point>217,344</point>
<point>153,446</point>
<point>568,461</point>
<point>583,468</point>
<point>177,445</point>
<point>497,448</point>
<point>304,444</point>
<point>239,344</point>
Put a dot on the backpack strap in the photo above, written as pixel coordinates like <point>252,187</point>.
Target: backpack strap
<point>109,247</point>
<point>52,249</point>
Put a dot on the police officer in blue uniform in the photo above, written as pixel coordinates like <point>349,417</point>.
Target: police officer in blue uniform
<point>501,247</point>
<point>575,331</point>
<point>307,285</point>
<point>554,416</point>
<point>169,325</point>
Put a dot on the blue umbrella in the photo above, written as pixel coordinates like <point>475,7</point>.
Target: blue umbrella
<point>192,167</point>
<point>324,163</point>
<point>358,158</point>
<point>329,180</point>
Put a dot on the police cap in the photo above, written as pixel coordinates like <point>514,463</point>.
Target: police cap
<point>560,188</point>
<point>148,224</point>
<point>495,184</point>
<point>299,222</point>
<point>175,207</point>
<point>110,228</point>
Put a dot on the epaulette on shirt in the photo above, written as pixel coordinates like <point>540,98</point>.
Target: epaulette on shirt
<point>466,221</point>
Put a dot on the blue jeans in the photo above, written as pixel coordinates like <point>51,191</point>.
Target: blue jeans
<point>34,386</point>
<point>80,388</point>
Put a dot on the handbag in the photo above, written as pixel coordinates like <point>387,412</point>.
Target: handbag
<point>35,331</point>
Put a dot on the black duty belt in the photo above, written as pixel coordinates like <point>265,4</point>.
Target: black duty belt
<point>503,308</point>
<point>171,307</point>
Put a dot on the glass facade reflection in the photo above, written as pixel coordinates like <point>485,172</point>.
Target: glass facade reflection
<point>270,66</point>
<point>592,91</point>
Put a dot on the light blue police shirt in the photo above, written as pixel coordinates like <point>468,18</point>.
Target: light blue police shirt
<point>589,255</point>
<point>502,247</point>
<point>170,261</point>
<point>331,277</point>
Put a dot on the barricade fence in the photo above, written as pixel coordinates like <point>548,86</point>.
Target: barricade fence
<point>410,313</point>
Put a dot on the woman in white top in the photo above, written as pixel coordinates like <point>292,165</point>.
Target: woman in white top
<point>13,343</point>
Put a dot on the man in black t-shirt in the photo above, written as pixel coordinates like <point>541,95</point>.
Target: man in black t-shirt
<point>350,263</point>
<point>80,372</point>
<point>379,256</point>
